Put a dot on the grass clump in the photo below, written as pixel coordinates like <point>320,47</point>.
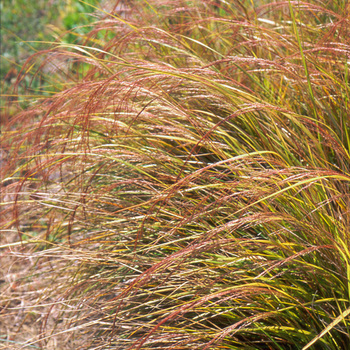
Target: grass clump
<point>189,189</point>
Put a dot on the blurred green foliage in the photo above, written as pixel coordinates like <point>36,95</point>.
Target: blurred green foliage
<point>27,25</point>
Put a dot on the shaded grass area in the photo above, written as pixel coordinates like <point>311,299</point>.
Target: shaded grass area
<point>190,188</point>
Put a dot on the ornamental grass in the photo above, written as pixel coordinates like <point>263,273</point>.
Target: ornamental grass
<point>184,183</point>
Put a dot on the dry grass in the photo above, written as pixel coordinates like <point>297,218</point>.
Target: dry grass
<point>189,187</point>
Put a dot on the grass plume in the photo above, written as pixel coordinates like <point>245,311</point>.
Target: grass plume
<point>189,186</point>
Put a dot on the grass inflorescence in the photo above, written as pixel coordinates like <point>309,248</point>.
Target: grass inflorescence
<point>190,186</point>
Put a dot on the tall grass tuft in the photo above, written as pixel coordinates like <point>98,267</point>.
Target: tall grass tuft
<point>189,188</point>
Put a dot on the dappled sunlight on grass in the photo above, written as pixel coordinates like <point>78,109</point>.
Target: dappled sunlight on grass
<point>189,187</point>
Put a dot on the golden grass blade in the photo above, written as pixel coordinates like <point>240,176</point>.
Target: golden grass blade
<point>340,318</point>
